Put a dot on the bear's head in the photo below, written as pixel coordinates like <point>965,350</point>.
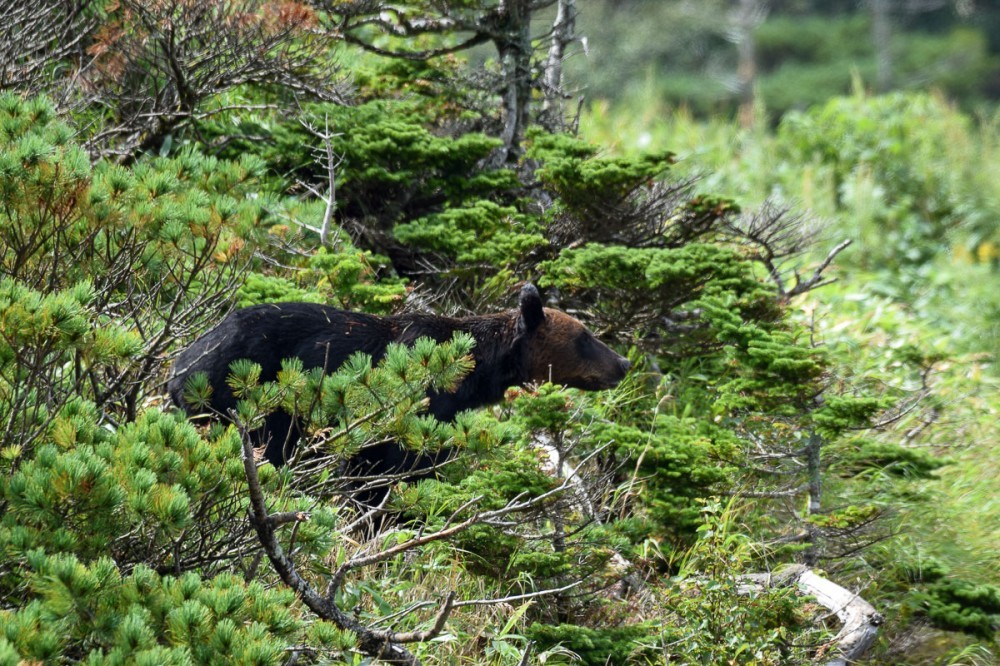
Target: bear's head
<point>560,349</point>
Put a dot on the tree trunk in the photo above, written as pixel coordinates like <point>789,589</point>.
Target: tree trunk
<point>881,39</point>
<point>748,16</point>
<point>563,33</point>
<point>514,49</point>
<point>859,618</point>
<point>814,461</point>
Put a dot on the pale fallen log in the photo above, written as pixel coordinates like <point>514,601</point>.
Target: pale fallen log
<point>859,619</point>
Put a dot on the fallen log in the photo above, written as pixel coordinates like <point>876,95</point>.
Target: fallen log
<point>859,619</point>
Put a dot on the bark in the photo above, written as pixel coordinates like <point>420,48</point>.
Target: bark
<point>563,34</point>
<point>513,44</point>
<point>814,449</point>
<point>749,15</point>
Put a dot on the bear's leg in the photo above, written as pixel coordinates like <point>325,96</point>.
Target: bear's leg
<point>279,436</point>
<point>388,459</point>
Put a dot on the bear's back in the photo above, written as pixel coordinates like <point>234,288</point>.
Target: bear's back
<point>319,335</point>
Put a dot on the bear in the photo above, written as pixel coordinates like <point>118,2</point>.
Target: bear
<point>529,344</point>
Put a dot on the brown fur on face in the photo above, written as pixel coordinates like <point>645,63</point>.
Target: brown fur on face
<point>563,351</point>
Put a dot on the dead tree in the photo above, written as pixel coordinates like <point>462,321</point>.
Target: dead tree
<point>859,619</point>
<point>505,24</point>
<point>156,65</point>
<point>35,36</point>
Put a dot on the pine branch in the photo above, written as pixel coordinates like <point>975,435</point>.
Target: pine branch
<point>377,644</point>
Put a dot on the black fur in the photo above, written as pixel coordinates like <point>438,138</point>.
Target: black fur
<point>324,337</point>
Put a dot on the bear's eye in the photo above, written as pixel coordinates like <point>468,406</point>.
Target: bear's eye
<point>585,345</point>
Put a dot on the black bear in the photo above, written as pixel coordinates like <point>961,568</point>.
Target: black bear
<point>527,344</point>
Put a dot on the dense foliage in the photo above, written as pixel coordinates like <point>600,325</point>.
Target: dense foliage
<point>765,422</point>
<point>913,314</point>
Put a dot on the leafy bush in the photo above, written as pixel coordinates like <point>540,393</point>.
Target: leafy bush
<point>959,605</point>
<point>890,144</point>
<point>618,645</point>
<point>149,254</point>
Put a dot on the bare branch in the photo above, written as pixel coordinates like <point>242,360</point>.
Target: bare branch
<point>156,64</point>
<point>817,279</point>
<point>519,597</point>
<point>332,161</point>
<point>279,519</point>
<point>425,54</point>
<point>776,235</point>
<point>378,644</point>
<point>35,35</point>
<point>437,628</point>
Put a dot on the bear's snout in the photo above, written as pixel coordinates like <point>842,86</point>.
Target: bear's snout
<point>619,368</point>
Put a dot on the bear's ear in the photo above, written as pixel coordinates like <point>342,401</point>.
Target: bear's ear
<point>532,314</point>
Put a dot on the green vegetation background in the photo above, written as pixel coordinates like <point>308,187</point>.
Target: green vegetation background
<point>123,531</point>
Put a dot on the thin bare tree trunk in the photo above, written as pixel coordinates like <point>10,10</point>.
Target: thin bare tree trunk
<point>881,39</point>
<point>514,50</point>
<point>563,34</point>
<point>814,447</point>
<point>749,15</point>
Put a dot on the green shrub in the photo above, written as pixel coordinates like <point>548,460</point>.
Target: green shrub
<point>97,614</point>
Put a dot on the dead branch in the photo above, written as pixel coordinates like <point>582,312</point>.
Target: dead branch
<point>776,235</point>
<point>860,621</point>
<point>375,643</point>
<point>36,35</point>
<point>381,644</point>
<point>157,64</point>
<point>816,280</point>
<point>331,161</point>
